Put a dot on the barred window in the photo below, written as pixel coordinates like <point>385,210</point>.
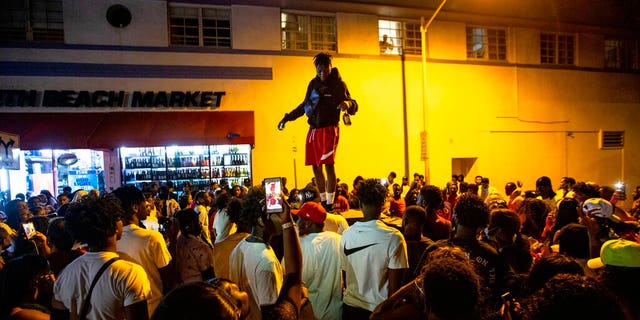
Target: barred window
<point>31,20</point>
<point>622,54</point>
<point>486,43</point>
<point>557,48</point>
<point>200,27</point>
<point>308,32</point>
<point>397,37</point>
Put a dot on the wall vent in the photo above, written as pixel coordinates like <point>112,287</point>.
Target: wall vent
<point>611,139</point>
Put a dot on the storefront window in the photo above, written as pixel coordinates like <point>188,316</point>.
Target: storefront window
<point>79,169</point>
<point>197,165</point>
<point>52,170</point>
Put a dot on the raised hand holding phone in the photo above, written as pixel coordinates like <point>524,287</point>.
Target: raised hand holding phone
<point>29,230</point>
<point>273,195</point>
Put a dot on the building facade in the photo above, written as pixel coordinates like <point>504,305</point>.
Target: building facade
<point>511,94</point>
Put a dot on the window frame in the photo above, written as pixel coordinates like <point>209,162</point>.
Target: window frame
<point>322,41</point>
<point>490,42</point>
<point>35,21</point>
<point>202,37</point>
<point>625,54</point>
<point>399,39</point>
<point>556,47</point>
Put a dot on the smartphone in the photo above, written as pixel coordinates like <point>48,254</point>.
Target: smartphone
<point>620,187</point>
<point>273,194</point>
<point>29,229</point>
<point>507,297</point>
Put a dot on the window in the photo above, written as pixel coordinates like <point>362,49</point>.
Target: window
<point>200,27</point>
<point>622,54</point>
<point>308,32</point>
<point>557,48</point>
<point>396,37</point>
<point>486,44</point>
<point>31,20</point>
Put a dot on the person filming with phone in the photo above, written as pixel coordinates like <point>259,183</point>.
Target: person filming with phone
<point>327,95</point>
<point>28,239</point>
<point>253,264</point>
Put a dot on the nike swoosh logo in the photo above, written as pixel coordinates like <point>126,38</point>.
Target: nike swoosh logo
<point>351,251</point>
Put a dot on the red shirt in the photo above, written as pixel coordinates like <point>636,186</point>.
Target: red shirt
<point>397,207</point>
<point>340,204</point>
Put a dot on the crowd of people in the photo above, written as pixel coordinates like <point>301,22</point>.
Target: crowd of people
<point>466,251</point>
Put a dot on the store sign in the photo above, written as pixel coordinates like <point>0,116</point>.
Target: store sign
<point>111,99</point>
<point>9,151</point>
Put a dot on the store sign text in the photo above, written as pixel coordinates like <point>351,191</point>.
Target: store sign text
<point>110,99</point>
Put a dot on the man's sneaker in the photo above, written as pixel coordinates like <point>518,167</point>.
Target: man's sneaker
<point>328,207</point>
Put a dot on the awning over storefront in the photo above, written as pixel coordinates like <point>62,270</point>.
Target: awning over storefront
<point>111,130</point>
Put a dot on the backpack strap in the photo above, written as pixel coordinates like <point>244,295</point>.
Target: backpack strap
<point>85,304</point>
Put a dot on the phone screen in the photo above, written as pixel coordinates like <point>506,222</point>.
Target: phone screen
<point>620,187</point>
<point>273,194</point>
<point>29,229</point>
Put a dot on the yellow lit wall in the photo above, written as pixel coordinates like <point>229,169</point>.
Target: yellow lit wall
<point>520,120</point>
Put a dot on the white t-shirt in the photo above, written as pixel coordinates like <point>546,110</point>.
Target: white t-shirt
<point>203,216</point>
<point>256,270</point>
<point>322,273</point>
<point>147,248</point>
<point>368,250</point>
<point>170,207</point>
<point>121,285</point>
<point>335,223</point>
<point>151,222</point>
<point>223,226</point>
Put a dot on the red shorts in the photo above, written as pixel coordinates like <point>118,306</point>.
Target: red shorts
<point>321,145</point>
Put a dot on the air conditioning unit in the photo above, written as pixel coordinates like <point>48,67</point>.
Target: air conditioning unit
<point>611,139</point>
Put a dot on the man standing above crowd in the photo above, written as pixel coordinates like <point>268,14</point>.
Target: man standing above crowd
<point>146,247</point>
<point>326,96</point>
<point>374,256</point>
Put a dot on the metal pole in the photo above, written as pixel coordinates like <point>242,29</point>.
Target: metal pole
<point>404,117</point>
<point>426,27</point>
<point>423,137</point>
<point>423,37</point>
<point>295,173</point>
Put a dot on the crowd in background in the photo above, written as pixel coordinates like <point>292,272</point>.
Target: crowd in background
<point>468,250</point>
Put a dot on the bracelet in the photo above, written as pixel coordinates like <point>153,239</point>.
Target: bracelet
<point>287,225</point>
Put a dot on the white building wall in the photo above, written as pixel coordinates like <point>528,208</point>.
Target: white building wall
<point>447,40</point>
<point>527,45</point>
<point>357,34</point>
<point>255,28</point>
<point>85,22</point>
<point>590,50</point>
<point>520,120</point>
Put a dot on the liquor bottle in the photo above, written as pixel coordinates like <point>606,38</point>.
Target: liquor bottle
<point>346,119</point>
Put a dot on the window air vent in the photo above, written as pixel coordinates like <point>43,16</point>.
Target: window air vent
<point>611,139</point>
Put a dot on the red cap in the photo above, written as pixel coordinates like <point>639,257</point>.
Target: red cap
<point>313,212</point>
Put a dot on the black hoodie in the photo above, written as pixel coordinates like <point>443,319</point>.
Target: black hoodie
<point>321,101</point>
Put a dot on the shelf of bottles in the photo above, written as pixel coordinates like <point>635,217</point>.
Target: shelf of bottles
<point>199,165</point>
